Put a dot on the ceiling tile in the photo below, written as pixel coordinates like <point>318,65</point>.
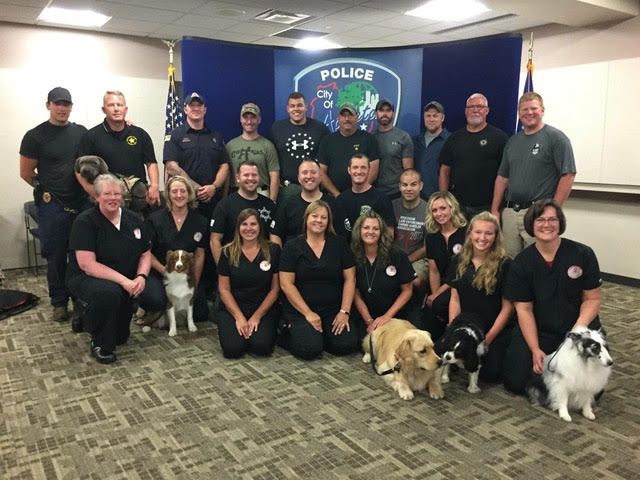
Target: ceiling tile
<point>210,23</point>
<point>362,15</point>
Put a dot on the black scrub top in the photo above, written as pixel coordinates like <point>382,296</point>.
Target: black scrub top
<point>556,290</point>
<point>117,249</point>
<point>319,280</point>
<point>386,281</point>
<point>250,281</point>
<point>441,251</point>
<point>474,300</point>
<point>164,235</point>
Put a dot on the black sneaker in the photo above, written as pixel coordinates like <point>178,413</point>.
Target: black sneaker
<point>101,355</point>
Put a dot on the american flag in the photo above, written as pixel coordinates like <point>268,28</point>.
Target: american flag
<point>528,82</point>
<point>174,113</point>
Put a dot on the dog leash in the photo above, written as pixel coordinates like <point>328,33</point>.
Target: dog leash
<point>396,367</point>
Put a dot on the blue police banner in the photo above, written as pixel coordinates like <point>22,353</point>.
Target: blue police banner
<point>362,78</point>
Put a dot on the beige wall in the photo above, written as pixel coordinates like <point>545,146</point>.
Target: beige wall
<point>610,226</point>
<point>34,60</point>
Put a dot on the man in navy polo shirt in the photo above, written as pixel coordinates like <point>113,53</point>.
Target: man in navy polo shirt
<point>126,149</point>
<point>198,153</point>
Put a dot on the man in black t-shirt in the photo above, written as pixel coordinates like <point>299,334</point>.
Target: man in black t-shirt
<point>362,197</point>
<point>470,158</point>
<point>295,138</point>
<point>47,157</point>
<point>223,222</point>
<point>126,149</point>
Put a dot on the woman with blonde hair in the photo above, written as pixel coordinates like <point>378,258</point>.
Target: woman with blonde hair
<point>318,279</point>
<point>248,285</point>
<point>477,276</point>
<point>384,275</point>
<point>445,236</point>
<point>177,227</point>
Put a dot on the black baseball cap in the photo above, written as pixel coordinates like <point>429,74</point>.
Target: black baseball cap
<point>59,94</point>
<point>194,97</point>
<point>433,104</point>
<point>384,102</point>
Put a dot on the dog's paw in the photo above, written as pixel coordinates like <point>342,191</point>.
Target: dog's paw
<point>436,393</point>
<point>444,379</point>
<point>366,358</point>
<point>565,416</point>
<point>473,389</point>
<point>193,328</point>
<point>405,394</point>
<point>173,332</point>
<point>588,413</point>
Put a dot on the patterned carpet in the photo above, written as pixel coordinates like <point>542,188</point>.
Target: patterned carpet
<point>174,408</point>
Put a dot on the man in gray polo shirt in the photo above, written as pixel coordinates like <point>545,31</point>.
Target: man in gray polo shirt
<point>537,163</point>
<point>396,150</point>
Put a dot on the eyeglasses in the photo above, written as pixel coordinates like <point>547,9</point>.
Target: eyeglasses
<point>475,107</point>
<point>545,221</point>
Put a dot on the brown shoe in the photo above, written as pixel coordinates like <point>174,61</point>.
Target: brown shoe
<point>60,314</point>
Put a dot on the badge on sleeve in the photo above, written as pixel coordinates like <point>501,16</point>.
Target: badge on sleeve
<point>574,271</point>
<point>265,266</point>
<point>137,233</point>
<point>197,236</point>
<point>457,248</point>
<point>391,271</point>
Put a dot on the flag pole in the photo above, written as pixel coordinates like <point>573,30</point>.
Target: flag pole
<point>528,87</point>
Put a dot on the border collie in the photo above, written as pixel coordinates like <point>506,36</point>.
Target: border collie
<point>179,284</point>
<point>574,374</point>
<point>462,344</point>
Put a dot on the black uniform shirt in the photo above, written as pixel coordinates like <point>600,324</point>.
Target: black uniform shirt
<point>385,281</point>
<point>164,236</point>
<point>351,205</point>
<point>54,147</point>
<point>226,214</point>
<point>200,153</point>
<point>556,291</point>
<point>319,280</point>
<point>117,249</point>
<point>125,152</point>
<point>474,300</point>
<point>441,251</point>
<point>290,216</point>
<point>250,281</point>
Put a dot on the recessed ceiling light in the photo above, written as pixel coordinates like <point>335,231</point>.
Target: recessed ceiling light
<point>76,18</point>
<point>448,10</point>
<point>316,43</point>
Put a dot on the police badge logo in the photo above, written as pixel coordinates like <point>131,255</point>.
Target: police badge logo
<point>358,81</point>
<point>132,140</point>
<point>137,233</point>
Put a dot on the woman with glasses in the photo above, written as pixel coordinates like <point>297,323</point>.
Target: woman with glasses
<point>555,286</point>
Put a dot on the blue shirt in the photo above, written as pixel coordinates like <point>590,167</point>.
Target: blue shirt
<point>427,160</point>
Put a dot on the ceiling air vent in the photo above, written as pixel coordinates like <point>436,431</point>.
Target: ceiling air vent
<point>283,18</point>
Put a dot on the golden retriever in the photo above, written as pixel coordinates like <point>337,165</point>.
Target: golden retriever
<point>399,344</point>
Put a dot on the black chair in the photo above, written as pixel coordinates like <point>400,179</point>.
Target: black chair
<point>32,233</point>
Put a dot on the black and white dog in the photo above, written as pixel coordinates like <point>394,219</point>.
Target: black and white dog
<point>463,345</point>
<point>577,371</point>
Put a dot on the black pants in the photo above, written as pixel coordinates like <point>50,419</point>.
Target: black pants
<point>154,298</point>
<point>436,317</point>
<point>493,360</point>
<point>518,364</point>
<point>306,343</point>
<point>261,342</point>
<point>109,310</point>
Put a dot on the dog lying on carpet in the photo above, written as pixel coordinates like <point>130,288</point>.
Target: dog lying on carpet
<point>405,358</point>
<point>574,374</point>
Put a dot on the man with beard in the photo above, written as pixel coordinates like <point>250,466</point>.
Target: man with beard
<point>428,145</point>
<point>396,150</point>
<point>470,158</point>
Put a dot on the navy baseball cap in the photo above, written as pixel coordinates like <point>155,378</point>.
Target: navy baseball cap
<point>194,97</point>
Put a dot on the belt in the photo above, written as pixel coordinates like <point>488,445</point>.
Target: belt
<point>517,206</point>
<point>47,197</point>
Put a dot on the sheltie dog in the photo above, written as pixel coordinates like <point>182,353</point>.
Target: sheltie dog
<point>574,374</point>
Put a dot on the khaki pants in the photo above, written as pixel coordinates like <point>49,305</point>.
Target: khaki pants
<point>515,236</point>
